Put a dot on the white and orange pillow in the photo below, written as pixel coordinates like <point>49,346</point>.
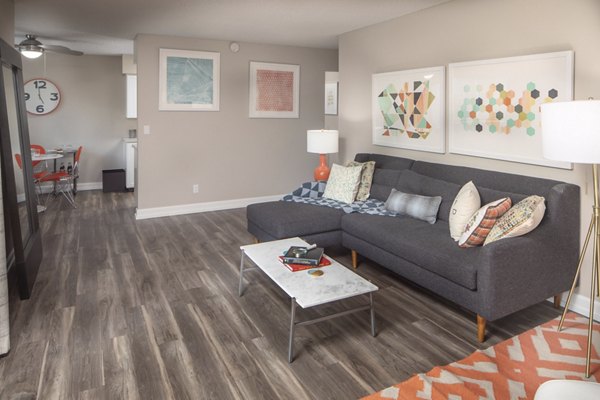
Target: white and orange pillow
<point>482,222</point>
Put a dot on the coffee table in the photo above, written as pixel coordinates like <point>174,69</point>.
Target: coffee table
<point>337,283</point>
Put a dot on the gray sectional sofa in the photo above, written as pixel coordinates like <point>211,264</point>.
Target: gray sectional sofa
<point>492,281</point>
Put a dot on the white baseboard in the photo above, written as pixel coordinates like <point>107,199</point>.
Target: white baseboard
<point>156,212</point>
<point>81,186</point>
<point>581,305</point>
<point>89,186</point>
<point>48,187</point>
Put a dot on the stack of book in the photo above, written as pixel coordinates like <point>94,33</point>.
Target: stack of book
<point>301,258</point>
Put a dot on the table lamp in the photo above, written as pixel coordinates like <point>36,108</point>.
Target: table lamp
<point>322,142</point>
<point>571,132</point>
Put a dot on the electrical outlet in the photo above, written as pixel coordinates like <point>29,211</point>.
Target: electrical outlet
<point>195,188</point>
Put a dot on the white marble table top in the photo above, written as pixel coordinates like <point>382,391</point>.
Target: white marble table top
<point>337,282</point>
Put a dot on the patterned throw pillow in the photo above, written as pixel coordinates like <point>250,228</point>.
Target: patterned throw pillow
<point>420,207</point>
<point>366,178</point>
<point>466,202</point>
<point>524,217</point>
<point>482,222</point>
<point>342,184</point>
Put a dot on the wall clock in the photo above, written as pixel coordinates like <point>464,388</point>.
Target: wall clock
<point>41,96</point>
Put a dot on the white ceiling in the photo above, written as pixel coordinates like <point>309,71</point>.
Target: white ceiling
<point>109,26</point>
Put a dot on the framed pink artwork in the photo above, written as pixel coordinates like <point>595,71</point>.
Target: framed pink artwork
<point>274,90</point>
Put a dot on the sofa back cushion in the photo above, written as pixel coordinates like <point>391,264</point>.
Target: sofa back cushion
<point>499,181</point>
<point>387,172</point>
<point>412,182</point>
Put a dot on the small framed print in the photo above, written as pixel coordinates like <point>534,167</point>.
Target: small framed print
<point>274,90</point>
<point>331,98</point>
<point>188,80</point>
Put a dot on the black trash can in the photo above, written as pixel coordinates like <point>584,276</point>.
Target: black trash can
<point>113,180</point>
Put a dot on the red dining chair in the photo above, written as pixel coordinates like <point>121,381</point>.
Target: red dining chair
<point>37,176</point>
<point>37,149</point>
<point>64,179</point>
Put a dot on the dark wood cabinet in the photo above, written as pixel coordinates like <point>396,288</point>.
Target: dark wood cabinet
<point>23,238</point>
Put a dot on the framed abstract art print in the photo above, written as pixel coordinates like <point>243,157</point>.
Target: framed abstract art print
<point>408,109</point>
<point>188,80</point>
<point>274,90</point>
<point>494,109</point>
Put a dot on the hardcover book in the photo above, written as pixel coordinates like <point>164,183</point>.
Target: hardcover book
<point>300,267</point>
<point>299,255</point>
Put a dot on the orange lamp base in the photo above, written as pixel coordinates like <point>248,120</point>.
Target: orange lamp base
<point>322,171</point>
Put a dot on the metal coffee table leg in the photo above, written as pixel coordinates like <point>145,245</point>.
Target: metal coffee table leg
<point>241,287</point>
<point>373,333</point>
<point>292,327</point>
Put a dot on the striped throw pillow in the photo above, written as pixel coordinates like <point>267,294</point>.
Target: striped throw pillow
<point>482,222</point>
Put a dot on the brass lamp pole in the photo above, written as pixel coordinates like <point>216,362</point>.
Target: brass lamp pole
<point>571,132</point>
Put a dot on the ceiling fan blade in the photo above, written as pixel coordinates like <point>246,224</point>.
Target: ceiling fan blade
<point>61,49</point>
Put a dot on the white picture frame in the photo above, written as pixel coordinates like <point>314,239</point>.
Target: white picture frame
<point>494,105</point>
<point>331,98</point>
<point>188,80</point>
<point>274,90</point>
<point>417,122</point>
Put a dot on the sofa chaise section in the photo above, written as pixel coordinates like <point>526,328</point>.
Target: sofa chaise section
<point>280,219</point>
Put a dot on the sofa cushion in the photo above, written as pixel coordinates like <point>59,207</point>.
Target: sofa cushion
<point>343,183</point>
<point>282,219</point>
<point>428,246</point>
<point>482,222</point>
<point>383,182</point>
<point>465,204</point>
<point>521,219</point>
<point>366,179</point>
<point>416,206</point>
<point>412,182</point>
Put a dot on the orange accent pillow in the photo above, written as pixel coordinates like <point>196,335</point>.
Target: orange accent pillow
<point>482,222</point>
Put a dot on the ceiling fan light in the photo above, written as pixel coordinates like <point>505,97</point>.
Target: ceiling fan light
<point>31,51</point>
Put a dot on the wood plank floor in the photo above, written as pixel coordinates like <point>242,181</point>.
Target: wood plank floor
<point>126,309</point>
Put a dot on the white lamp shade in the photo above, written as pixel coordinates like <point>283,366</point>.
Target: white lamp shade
<point>322,141</point>
<point>571,131</point>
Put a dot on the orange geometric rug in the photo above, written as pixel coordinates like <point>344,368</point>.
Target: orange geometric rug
<point>513,369</point>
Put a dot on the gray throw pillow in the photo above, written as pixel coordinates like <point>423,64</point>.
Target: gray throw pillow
<point>414,205</point>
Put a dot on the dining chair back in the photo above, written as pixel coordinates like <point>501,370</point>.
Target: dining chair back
<point>37,149</point>
<point>64,181</point>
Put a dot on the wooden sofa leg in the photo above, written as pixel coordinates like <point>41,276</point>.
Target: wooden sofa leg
<point>354,259</point>
<point>557,300</point>
<point>480,329</point>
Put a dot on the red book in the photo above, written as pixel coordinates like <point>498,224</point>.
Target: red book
<point>301,267</point>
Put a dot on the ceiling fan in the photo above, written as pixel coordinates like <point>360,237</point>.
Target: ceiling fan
<point>33,48</point>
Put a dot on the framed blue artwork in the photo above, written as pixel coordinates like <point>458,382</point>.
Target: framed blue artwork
<point>188,80</point>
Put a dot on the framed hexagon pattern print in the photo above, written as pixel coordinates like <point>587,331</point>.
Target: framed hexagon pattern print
<point>494,105</point>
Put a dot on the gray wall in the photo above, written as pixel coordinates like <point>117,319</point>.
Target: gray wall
<point>228,154</point>
<point>7,21</point>
<point>465,30</point>
<point>91,112</point>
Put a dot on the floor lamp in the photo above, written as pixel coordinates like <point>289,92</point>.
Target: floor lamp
<point>571,132</point>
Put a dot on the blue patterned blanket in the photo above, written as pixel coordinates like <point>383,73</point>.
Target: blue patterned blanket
<point>312,193</point>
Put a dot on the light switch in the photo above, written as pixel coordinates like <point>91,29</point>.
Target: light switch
<point>146,129</point>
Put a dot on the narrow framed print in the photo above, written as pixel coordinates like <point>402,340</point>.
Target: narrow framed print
<point>494,109</point>
<point>274,90</point>
<point>331,98</point>
<point>188,80</point>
